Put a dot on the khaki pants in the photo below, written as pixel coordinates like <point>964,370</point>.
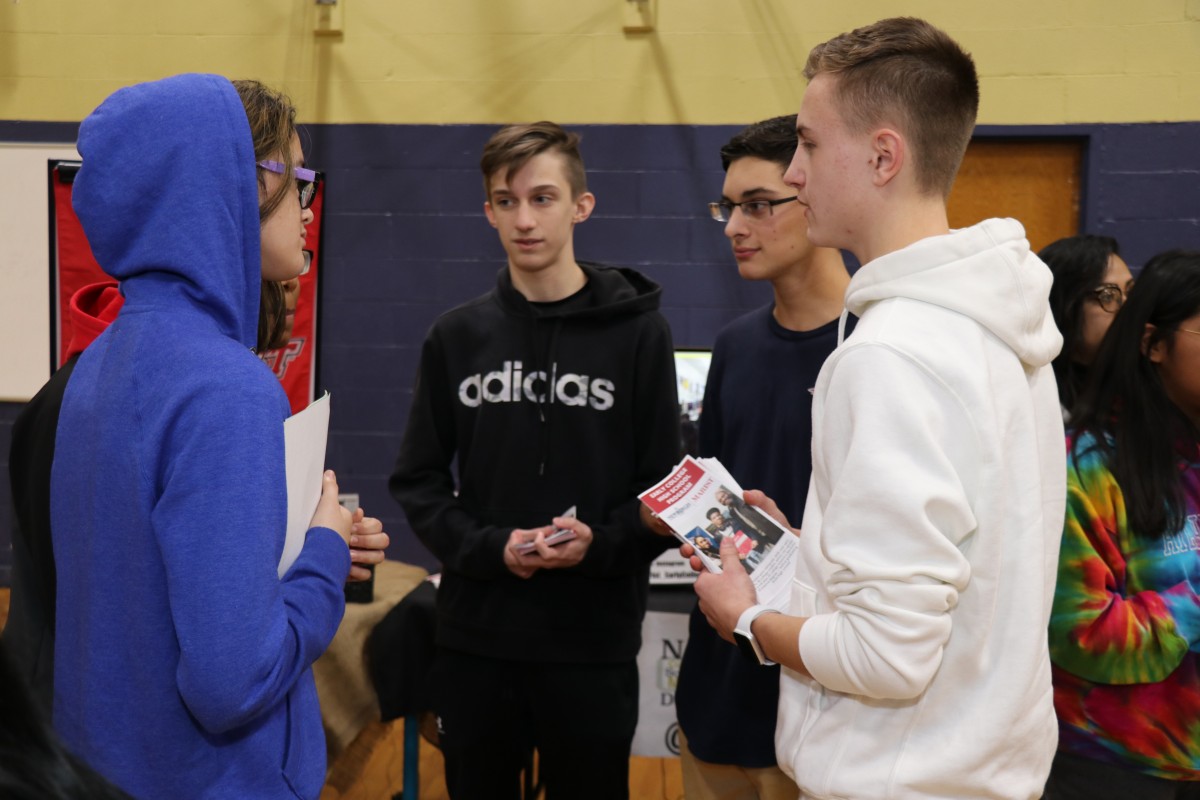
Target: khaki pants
<point>705,781</point>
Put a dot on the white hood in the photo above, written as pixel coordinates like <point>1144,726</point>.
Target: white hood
<point>985,272</point>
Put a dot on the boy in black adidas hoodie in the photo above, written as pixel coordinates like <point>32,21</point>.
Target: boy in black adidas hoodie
<point>554,390</point>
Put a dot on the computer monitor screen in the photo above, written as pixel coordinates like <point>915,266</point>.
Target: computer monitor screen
<point>691,375</point>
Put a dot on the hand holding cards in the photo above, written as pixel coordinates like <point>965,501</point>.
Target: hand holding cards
<point>559,536</point>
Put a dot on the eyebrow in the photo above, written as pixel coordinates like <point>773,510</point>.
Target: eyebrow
<point>545,187</point>
<point>755,192</point>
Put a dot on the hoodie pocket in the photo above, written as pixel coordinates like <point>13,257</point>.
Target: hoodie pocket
<point>304,741</point>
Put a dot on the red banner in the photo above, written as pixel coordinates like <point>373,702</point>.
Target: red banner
<point>74,267</point>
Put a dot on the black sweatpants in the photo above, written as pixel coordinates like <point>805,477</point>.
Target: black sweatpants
<point>491,713</point>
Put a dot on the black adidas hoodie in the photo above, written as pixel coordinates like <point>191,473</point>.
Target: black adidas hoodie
<point>544,406</point>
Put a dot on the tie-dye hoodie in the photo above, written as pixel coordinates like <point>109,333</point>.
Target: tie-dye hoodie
<point>1126,627</point>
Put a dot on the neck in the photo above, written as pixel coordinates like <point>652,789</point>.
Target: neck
<point>548,285</point>
<point>901,221</point>
<point>814,294</point>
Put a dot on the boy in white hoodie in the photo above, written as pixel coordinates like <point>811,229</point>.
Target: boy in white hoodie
<point>914,646</point>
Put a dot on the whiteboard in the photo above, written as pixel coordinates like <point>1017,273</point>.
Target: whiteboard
<point>25,267</point>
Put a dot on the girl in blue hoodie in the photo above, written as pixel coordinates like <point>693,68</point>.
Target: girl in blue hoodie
<point>183,662</point>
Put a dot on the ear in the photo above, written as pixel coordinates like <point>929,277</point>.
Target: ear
<point>489,213</point>
<point>889,151</point>
<point>1155,352</point>
<point>584,205</point>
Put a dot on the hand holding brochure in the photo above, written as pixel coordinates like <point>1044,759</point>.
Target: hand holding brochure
<point>703,505</point>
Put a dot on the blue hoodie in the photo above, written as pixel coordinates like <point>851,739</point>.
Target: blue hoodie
<point>183,663</point>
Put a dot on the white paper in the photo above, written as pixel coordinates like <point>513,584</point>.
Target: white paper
<point>304,437</point>
<point>684,499</point>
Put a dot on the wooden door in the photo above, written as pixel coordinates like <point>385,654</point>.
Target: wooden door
<point>1036,181</point>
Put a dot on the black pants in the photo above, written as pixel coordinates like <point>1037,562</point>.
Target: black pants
<point>491,714</point>
<point>1075,778</point>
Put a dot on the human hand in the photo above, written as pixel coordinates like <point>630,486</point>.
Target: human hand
<point>560,556</point>
<point>330,513</point>
<point>367,544</point>
<point>689,555</point>
<point>520,564</point>
<point>725,595</point>
<point>759,500</point>
<point>653,522</point>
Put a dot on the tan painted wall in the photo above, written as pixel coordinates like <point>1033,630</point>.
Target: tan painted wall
<point>488,61</point>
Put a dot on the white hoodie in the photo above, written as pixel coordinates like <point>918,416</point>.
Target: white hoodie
<point>931,532</point>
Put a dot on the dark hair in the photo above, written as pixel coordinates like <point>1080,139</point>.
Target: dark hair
<point>1124,405</point>
<point>772,139</point>
<point>906,71</point>
<point>511,147</point>
<point>34,764</point>
<point>272,316</point>
<point>272,120</point>
<point>1078,264</point>
<point>712,511</point>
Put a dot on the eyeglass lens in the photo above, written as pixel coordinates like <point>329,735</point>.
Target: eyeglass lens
<point>308,192</point>
<point>1110,298</point>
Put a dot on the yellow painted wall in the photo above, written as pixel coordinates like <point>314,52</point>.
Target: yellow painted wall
<point>489,61</point>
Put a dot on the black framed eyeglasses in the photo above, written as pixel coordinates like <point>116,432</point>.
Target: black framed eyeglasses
<point>307,180</point>
<point>1110,296</point>
<point>752,209</point>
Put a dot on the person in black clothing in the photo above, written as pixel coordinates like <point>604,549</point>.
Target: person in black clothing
<point>1091,281</point>
<point>555,389</point>
<point>29,634</point>
<point>34,764</point>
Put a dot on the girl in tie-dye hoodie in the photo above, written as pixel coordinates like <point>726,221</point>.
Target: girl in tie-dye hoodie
<point>1125,628</point>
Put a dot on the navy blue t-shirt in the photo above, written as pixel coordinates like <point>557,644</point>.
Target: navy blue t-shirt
<point>757,419</point>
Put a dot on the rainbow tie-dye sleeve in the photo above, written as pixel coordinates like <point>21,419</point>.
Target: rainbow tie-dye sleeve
<point>1125,620</point>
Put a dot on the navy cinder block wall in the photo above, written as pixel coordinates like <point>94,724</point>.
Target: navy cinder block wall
<point>405,239</point>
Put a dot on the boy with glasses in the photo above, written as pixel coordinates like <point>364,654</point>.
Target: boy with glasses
<point>555,390</point>
<point>914,649</point>
<point>758,421</point>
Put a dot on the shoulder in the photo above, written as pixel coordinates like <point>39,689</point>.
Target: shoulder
<point>752,324</point>
<point>209,367</point>
<point>480,316</point>
<point>884,381</point>
<point>464,313</point>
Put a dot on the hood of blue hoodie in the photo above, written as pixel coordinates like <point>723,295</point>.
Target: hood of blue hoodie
<point>168,197</point>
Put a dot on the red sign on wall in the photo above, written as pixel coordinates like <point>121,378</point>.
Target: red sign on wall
<point>73,266</point>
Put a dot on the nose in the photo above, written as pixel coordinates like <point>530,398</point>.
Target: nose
<point>306,216</point>
<point>794,176</point>
<point>524,218</point>
<point>735,226</point>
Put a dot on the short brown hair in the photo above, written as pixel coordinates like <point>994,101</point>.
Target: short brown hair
<point>511,147</point>
<point>906,68</point>
<point>272,125</point>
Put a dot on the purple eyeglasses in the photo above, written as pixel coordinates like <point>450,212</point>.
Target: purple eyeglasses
<point>306,180</point>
